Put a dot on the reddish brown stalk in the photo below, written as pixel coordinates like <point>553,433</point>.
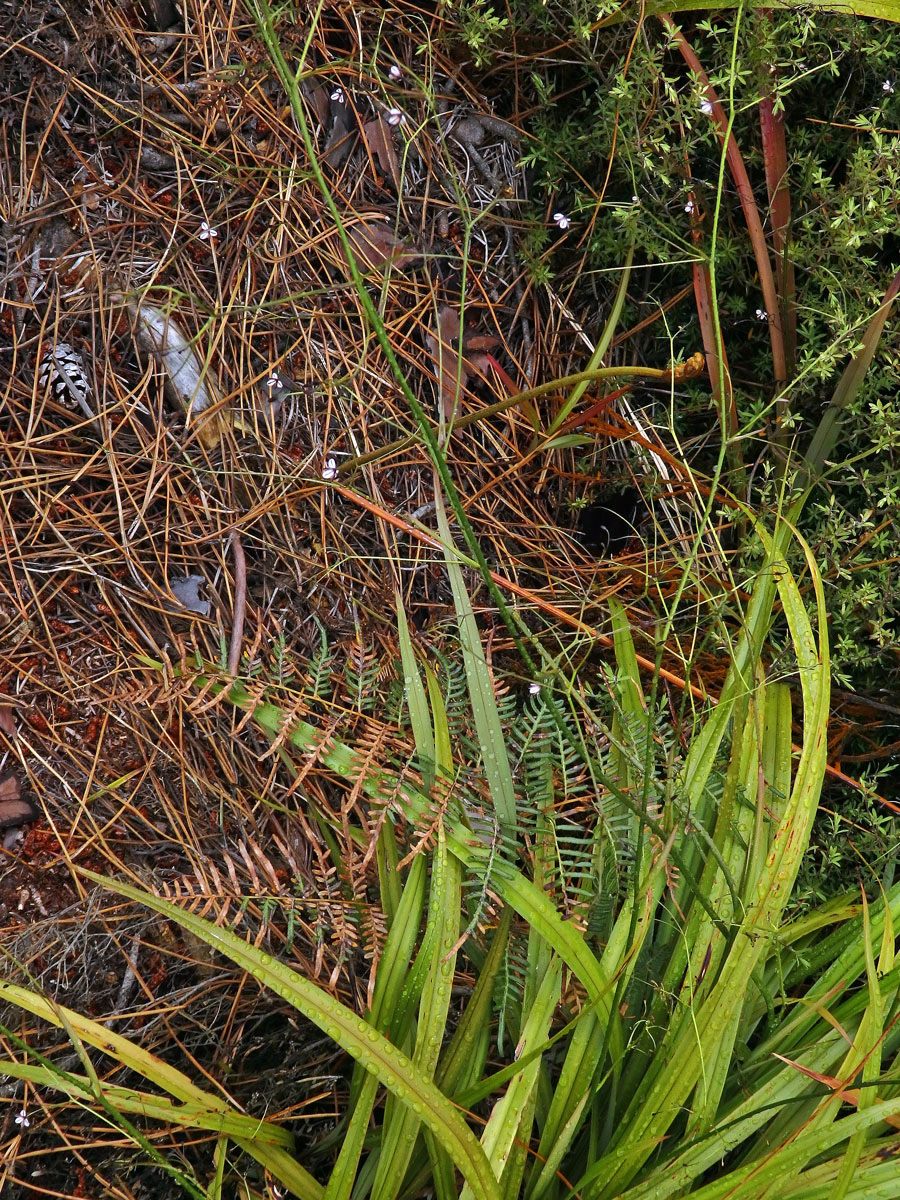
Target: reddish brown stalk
<point>748,204</point>
<point>578,420</point>
<point>775,157</point>
<point>240,604</point>
<point>774,147</point>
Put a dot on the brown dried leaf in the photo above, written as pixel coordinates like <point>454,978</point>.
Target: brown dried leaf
<point>317,94</point>
<point>378,138</point>
<point>343,131</point>
<point>13,809</point>
<point>7,720</point>
<point>10,788</point>
<point>448,324</point>
<point>375,245</point>
<point>452,375</point>
<point>479,364</point>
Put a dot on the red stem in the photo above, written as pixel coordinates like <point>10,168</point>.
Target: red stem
<point>748,204</point>
<point>774,147</point>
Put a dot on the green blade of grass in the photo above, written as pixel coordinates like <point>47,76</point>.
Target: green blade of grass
<point>268,1144</point>
<point>863,1060</point>
<point>402,1124</point>
<point>506,1115</point>
<point>416,700</point>
<point>343,1175</point>
<point>631,728</point>
<point>699,1034</point>
<point>602,346</point>
<point>779,1093</point>
<point>784,1165</point>
<point>392,976</point>
<point>354,1035</point>
<point>161,1073</point>
<point>401,942</point>
<point>461,1061</point>
<point>443,749</point>
<point>569,1104</point>
<point>826,435</point>
<point>186,1115</point>
<point>488,727</point>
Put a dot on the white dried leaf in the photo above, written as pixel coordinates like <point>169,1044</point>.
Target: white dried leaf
<point>62,368</point>
<point>187,593</point>
<point>189,381</point>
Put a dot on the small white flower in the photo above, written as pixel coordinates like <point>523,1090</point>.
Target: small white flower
<point>330,470</point>
<point>272,381</point>
<point>22,1119</point>
<point>706,107</point>
<point>395,116</point>
<point>207,232</point>
<point>534,689</point>
<point>395,72</point>
<point>887,86</point>
<point>338,95</point>
<point>690,208</point>
<point>635,199</point>
<point>561,220</point>
<point>762,315</point>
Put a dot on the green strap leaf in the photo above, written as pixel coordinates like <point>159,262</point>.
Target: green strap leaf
<point>488,726</point>
<point>352,1033</point>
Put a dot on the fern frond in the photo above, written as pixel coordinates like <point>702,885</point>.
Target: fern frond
<point>320,666</point>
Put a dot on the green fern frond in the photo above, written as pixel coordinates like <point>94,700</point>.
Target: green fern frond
<point>320,666</point>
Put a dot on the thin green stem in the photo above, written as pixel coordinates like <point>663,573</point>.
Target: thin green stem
<point>290,79</point>
<point>582,378</point>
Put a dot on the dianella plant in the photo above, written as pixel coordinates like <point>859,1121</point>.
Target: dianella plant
<point>641,1018</point>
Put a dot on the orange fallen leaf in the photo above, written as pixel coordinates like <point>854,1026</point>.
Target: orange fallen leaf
<point>848,1095</point>
<point>452,373</point>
